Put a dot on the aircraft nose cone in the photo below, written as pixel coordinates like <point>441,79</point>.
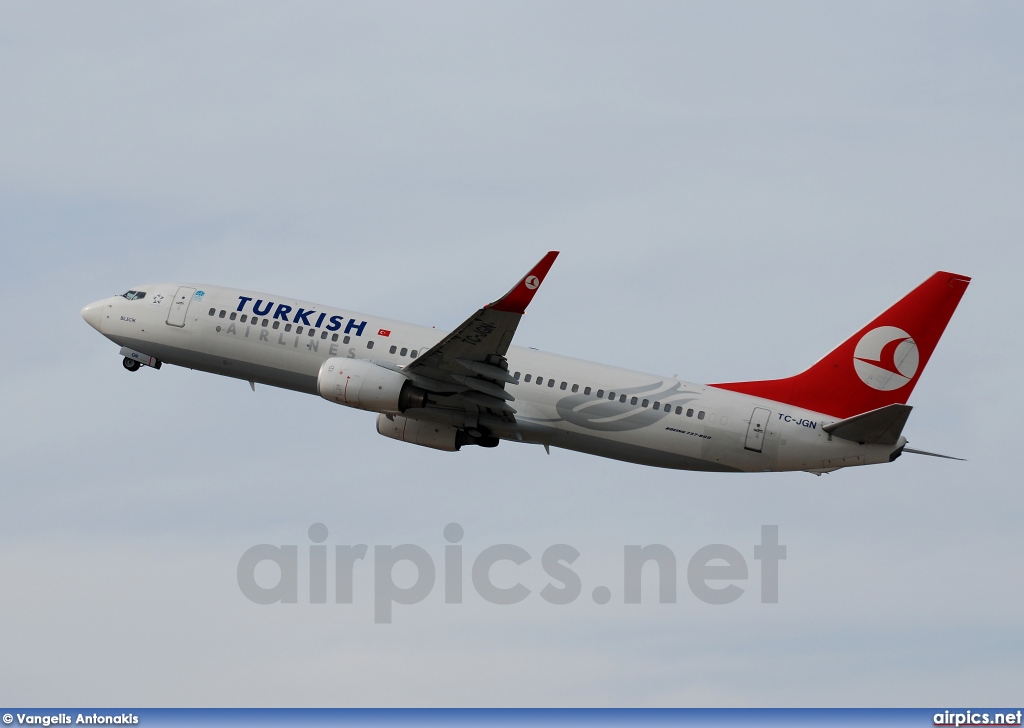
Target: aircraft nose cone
<point>93,314</point>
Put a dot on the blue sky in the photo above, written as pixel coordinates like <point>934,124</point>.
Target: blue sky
<point>735,188</point>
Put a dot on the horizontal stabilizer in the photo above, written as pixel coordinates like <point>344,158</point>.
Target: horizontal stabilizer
<point>930,454</point>
<point>882,426</point>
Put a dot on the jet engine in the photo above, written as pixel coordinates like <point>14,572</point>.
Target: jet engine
<point>361,384</point>
<point>427,434</point>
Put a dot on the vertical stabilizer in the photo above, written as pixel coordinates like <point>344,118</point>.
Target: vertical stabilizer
<point>880,364</point>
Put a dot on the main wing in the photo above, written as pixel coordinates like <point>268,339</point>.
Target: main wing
<point>468,367</point>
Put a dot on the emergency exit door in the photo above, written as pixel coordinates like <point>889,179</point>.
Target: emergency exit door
<point>179,306</point>
<point>756,429</point>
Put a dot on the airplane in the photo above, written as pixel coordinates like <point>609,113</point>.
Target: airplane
<point>471,386</point>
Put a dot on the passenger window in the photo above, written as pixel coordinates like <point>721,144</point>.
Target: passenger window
<point>346,340</point>
<point>679,410</point>
<point>611,395</point>
<point>403,352</point>
<point>393,349</point>
<point>413,353</point>
<point>277,325</point>
<point>644,403</point>
<point>600,394</point>
<point>223,314</point>
<point>334,337</point>
<point>633,400</point>
<point>212,310</point>
<point>575,388</point>
<point>564,385</point>
<point>312,333</point>
<point>551,382</point>
<point>244,318</point>
<point>298,329</point>
<point>622,398</point>
<point>689,413</point>
<point>540,380</point>
<point>265,322</point>
<point>700,415</point>
<point>657,405</point>
<point>516,376</point>
<point>527,377</point>
<point>287,327</point>
<point>233,316</point>
<point>323,334</point>
<point>586,391</point>
<point>369,344</point>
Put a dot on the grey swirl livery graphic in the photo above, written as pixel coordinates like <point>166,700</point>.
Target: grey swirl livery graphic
<point>609,415</point>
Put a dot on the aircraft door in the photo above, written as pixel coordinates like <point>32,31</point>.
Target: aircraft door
<point>179,306</point>
<point>756,429</point>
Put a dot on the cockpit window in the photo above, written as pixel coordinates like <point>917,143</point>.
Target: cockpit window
<point>134,295</point>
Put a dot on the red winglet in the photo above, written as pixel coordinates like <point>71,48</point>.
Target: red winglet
<point>516,300</point>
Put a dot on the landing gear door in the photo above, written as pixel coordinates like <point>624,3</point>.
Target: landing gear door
<point>179,306</point>
<point>756,429</point>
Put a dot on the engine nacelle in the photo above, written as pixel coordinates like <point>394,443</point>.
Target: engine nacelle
<point>361,384</point>
<point>427,434</point>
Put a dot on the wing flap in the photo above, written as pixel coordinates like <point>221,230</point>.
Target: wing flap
<point>487,370</point>
<point>487,387</point>
<point>488,402</point>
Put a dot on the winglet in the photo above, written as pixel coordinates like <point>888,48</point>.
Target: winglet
<point>516,300</point>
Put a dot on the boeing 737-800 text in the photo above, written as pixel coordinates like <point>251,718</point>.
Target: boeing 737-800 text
<point>472,387</point>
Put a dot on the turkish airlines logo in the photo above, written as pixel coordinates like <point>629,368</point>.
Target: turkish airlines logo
<point>531,282</point>
<point>886,358</point>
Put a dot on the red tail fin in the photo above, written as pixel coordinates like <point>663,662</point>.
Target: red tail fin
<point>877,366</point>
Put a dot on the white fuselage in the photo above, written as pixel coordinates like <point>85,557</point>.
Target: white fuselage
<point>559,401</point>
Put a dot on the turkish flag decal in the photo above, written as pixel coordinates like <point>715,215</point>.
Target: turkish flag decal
<point>383,332</point>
